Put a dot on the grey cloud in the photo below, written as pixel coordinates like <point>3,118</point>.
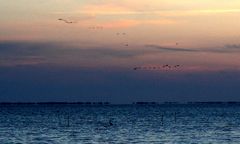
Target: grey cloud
<point>226,49</point>
<point>172,49</point>
<point>36,49</point>
<point>232,46</point>
<point>24,52</point>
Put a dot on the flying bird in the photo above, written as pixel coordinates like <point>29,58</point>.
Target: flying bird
<point>118,33</point>
<point>96,27</point>
<point>177,66</point>
<point>165,65</point>
<point>136,68</point>
<point>66,21</point>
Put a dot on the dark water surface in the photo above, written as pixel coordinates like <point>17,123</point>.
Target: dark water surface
<point>70,124</point>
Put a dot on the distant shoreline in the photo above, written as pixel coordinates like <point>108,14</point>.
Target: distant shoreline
<point>108,103</point>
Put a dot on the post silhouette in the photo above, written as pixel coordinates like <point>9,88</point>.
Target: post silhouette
<point>162,119</point>
<point>68,123</point>
<point>175,117</point>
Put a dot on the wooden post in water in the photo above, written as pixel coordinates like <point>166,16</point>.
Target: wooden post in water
<point>162,119</point>
<point>68,124</point>
<point>59,119</point>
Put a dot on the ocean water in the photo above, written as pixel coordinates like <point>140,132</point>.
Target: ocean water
<point>73,124</point>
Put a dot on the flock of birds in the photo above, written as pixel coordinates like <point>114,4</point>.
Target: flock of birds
<point>122,34</point>
<point>94,28</point>
<point>126,45</point>
<point>118,34</point>
<point>157,67</point>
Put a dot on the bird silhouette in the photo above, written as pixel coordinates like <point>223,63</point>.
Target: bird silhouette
<point>164,66</point>
<point>66,21</point>
<point>118,33</point>
<point>109,124</point>
<point>136,68</point>
<point>95,27</point>
<point>176,66</point>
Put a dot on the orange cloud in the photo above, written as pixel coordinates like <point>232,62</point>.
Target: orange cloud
<point>121,24</point>
<point>104,9</point>
<point>159,22</point>
<point>132,22</point>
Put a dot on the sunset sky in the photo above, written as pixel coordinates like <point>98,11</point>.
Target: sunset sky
<point>45,59</point>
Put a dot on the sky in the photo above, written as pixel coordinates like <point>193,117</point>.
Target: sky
<point>44,59</point>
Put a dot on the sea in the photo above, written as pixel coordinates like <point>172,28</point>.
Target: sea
<point>203,123</point>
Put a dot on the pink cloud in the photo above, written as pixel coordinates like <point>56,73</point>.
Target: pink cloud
<point>121,24</point>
